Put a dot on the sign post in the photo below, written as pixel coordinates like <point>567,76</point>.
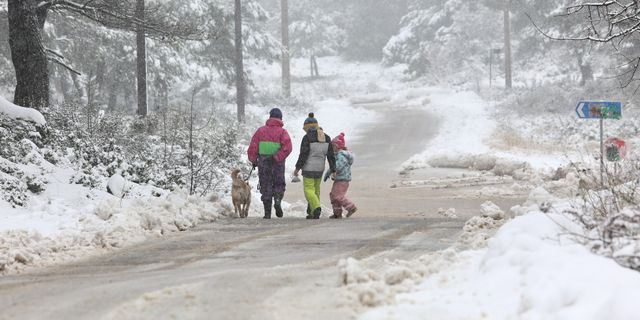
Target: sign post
<point>602,111</point>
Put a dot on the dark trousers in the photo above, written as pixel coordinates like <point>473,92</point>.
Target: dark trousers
<point>271,175</point>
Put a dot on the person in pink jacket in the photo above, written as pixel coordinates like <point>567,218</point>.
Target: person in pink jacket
<point>269,148</point>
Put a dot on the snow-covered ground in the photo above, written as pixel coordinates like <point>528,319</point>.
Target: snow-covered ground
<point>531,269</point>
<point>536,266</point>
<point>69,221</point>
<point>469,138</point>
<point>518,263</point>
<point>527,273</point>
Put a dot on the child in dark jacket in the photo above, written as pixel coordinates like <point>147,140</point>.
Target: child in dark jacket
<point>341,179</point>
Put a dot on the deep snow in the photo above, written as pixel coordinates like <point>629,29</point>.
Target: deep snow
<point>531,269</point>
<point>534,267</point>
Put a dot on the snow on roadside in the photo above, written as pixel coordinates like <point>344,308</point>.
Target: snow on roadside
<point>528,271</point>
<point>465,127</point>
<point>69,221</point>
<point>532,268</point>
<point>47,217</point>
<point>467,138</point>
<point>380,286</point>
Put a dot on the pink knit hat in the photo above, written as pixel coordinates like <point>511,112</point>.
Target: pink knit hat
<point>338,142</point>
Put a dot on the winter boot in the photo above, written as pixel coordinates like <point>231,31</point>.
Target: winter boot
<point>267,209</point>
<point>277,204</point>
<point>309,215</point>
<point>336,216</point>
<point>317,213</point>
<point>350,212</point>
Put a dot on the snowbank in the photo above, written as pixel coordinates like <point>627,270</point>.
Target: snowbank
<point>528,271</point>
<point>472,136</point>
<point>70,221</point>
<point>380,285</point>
<point>16,112</point>
<point>49,216</point>
<point>465,127</point>
<point>532,268</point>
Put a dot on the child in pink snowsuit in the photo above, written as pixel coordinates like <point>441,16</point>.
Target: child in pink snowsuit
<point>341,179</point>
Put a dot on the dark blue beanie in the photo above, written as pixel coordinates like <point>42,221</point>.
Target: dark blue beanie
<point>275,113</point>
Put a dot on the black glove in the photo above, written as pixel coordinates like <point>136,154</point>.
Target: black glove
<point>254,165</point>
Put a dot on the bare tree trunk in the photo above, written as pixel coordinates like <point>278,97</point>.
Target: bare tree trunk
<point>128,98</point>
<point>192,183</point>
<point>141,61</point>
<point>286,68</point>
<point>65,88</point>
<point>314,66</point>
<point>163,94</point>
<point>508,82</point>
<point>28,55</point>
<point>240,83</point>
<point>99,84</point>
<point>586,72</point>
<point>90,97</point>
<point>91,88</point>
<point>78,86</point>
<point>113,97</point>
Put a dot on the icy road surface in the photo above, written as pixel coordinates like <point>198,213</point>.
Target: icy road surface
<point>256,269</point>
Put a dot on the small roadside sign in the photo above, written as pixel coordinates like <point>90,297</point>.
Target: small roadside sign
<point>616,149</point>
<point>603,110</point>
<point>599,110</point>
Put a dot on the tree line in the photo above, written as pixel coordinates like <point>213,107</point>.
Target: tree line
<point>78,46</point>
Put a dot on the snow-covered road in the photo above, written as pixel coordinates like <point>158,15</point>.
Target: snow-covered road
<point>235,269</point>
<point>256,269</point>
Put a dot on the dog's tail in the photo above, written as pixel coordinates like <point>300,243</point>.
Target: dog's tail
<point>235,173</point>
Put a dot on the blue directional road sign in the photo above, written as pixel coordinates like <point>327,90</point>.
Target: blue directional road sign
<point>599,110</point>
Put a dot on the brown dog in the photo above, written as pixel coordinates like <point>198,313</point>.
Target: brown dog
<point>240,194</point>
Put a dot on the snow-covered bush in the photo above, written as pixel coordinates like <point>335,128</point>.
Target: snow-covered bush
<point>214,150</point>
<point>609,213</point>
<point>18,138</point>
<point>36,184</point>
<point>20,160</point>
<point>155,150</point>
<point>14,191</point>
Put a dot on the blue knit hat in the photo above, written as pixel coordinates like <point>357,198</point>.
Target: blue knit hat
<point>310,122</point>
<point>275,113</point>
